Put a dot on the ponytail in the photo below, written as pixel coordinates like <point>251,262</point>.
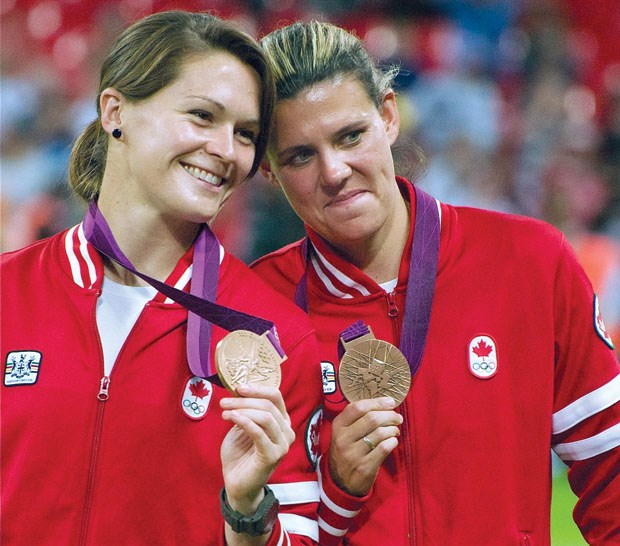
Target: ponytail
<point>87,161</point>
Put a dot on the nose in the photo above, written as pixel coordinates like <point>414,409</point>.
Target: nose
<point>334,169</point>
<point>221,143</point>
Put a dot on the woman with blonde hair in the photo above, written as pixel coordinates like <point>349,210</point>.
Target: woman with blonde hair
<point>458,346</point>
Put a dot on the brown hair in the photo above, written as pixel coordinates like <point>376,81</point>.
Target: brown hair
<point>147,57</point>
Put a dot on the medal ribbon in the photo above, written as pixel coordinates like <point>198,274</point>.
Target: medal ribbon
<point>201,311</point>
<point>358,329</point>
<point>420,284</point>
<point>421,281</point>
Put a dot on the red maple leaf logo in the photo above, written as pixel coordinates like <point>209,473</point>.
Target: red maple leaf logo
<point>482,349</point>
<point>199,389</point>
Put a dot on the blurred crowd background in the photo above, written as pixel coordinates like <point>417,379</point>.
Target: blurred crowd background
<point>515,104</point>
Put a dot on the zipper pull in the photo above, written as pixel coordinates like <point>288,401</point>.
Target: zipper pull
<point>392,308</point>
<point>103,390</point>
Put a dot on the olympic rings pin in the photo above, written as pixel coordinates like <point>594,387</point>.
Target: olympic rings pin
<point>196,397</point>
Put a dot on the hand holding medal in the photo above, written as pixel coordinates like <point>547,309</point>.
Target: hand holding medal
<point>375,377</point>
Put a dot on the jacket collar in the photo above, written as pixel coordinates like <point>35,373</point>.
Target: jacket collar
<point>341,278</point>
<point>86,264</point>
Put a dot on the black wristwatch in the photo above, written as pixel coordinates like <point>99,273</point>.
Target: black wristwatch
<point>259,523</point>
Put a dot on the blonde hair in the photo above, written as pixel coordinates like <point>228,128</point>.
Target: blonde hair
<point>304,54</point>
<point>147,57</point>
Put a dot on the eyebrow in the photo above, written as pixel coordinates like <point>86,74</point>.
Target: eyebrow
<point>214,103</point>
<point>353,126</point>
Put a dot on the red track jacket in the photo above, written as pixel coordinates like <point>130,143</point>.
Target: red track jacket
<point>473,463</point>
<point>134,469</point>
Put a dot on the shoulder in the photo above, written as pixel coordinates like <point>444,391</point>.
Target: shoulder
<point>282,268</point>
<point>34,275</point>
<point>290,253</point>
<point>502,234</point>
<point>513,222</point>
<point>33,253</point>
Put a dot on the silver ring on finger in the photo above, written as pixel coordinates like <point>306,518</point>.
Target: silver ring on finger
<point>369,442</point>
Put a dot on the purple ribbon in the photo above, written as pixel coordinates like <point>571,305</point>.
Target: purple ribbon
<point>201,311</point>
<point>420,284</point>
<point>357,329</point>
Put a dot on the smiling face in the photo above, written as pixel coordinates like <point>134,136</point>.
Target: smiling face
<point>185,148</point>
<point>331,155</point>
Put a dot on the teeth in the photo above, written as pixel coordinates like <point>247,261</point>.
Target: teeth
<point>203,175</point>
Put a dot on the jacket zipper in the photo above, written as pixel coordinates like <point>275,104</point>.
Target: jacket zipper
<point>393,313</point>
<point>408,462</point>
<point>103,388</point>
<point>102,397</point>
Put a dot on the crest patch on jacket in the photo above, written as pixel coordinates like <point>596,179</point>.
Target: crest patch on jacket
<point>313,429</point>
<point>22,368</point>
<point>599,325</point>
<point>328,377</point>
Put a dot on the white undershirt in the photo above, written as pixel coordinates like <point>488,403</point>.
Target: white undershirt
<point>389,285</point>
<point>118,309</point>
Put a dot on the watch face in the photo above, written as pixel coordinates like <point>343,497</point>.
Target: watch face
<point>271,516</point>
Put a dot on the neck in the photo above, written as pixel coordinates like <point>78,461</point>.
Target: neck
<point>153,245</point>
<point>379,256</point>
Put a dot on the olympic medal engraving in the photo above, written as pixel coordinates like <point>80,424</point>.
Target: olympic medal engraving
<point>371,368</point>
<point>245,357</point>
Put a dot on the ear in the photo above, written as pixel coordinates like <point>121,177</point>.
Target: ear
<point>390,115</point>
<point>110,102</point>
<point>265,170</point>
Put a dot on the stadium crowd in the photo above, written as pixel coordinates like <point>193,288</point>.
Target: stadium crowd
<point>515,104</point>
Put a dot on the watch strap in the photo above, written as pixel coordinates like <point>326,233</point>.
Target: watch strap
<point>259,523</point>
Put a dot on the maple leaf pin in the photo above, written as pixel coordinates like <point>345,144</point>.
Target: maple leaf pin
<point>482,357</point>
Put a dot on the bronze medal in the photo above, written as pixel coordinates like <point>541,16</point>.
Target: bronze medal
<point>245,357</point>
<point>371,368</point>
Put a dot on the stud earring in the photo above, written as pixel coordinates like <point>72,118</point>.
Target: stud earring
<point>117,133</point>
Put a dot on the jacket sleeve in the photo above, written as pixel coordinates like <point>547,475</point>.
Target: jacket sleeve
<point>586,413</point>
<point>337,509</point>
<point>295,481</point>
